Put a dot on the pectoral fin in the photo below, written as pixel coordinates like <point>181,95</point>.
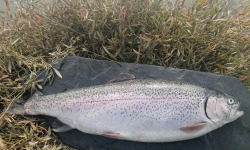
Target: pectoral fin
<point>193,128</point>
<point>111,134</point>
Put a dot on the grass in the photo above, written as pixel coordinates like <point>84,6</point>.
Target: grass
<point>202,37</point>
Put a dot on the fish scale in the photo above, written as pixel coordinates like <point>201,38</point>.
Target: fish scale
<point>143,110</point>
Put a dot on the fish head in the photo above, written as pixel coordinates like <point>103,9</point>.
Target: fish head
<point>222,108</point>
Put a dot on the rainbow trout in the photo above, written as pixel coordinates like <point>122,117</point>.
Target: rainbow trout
<point>144,110</point>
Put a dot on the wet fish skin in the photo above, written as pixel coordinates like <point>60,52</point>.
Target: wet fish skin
<point>143,110</point>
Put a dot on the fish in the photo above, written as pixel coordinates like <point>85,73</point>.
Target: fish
<point>143,110</point>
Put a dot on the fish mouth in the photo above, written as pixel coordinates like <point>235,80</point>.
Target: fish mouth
<point>236,113</point>
<point>239,113</point>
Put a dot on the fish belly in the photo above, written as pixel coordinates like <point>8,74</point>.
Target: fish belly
<point>139,120</point>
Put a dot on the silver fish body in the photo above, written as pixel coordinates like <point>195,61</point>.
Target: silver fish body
<point>143,110</point>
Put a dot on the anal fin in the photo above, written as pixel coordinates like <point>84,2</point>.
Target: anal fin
<point>193,128</point>
<point>59,126</point>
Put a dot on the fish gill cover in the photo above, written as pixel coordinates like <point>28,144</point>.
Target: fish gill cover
<point>202,37</point>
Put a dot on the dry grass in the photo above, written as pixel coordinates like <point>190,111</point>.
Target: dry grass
<point>203,37</point>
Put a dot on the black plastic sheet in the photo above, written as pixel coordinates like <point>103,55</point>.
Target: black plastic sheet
<point>82,72</point>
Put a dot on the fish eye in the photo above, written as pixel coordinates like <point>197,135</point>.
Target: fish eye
<point>230,101</point>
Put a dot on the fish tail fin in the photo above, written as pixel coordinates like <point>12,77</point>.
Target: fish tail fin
<point>16,109</point>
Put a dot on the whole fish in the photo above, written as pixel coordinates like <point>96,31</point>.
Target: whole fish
<point>144,110</point>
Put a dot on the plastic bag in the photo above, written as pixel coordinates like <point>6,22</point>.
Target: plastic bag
<point>80,72</point>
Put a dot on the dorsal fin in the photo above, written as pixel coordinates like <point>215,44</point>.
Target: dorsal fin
<point>122,77</point>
